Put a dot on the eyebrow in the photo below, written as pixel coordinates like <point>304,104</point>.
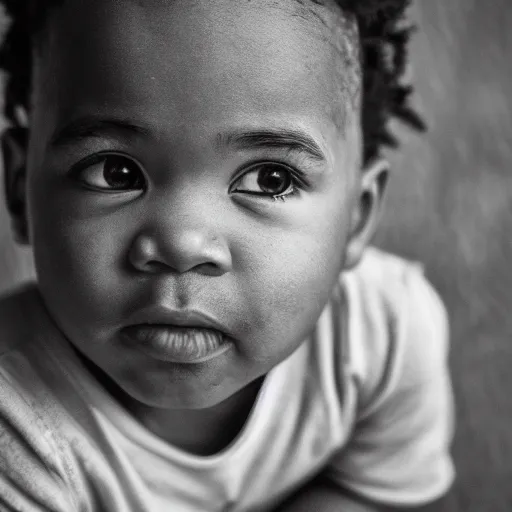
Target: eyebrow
<point>280,138</point>
<point>93,127</point>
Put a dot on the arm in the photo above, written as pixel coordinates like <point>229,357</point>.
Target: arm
<point>323,496</point>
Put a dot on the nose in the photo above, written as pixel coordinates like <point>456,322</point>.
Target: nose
<point>182,249</point>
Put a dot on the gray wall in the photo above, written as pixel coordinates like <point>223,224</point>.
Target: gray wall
<point>451,206</point>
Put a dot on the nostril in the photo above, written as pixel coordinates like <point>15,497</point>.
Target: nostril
<point>209,269</point>
<point>158,267</point>
<point>155,267</point>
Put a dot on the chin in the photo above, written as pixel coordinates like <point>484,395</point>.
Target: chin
<point>178,396</point>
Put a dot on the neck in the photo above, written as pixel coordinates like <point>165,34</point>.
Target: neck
<point>198,431</point>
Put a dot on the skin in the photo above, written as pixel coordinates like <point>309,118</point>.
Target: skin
<point>187,74</point>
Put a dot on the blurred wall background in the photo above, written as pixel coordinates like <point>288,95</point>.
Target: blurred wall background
<point>450,205</point>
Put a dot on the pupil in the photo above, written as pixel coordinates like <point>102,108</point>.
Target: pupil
<point>274,181</point>
<point>118,174</point>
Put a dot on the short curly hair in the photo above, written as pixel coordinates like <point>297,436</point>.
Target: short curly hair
<point>383,49</point>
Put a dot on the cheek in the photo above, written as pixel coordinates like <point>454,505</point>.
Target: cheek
<point>290,280</point>
<point>78,260</point>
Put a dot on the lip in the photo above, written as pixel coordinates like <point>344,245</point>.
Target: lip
<point>162,315</point>
<point>178,336</point>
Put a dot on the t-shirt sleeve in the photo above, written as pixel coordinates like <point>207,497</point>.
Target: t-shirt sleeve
<point>30,473</point>
<point>398,453</point>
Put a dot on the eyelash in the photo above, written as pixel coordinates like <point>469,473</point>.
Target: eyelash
<point>297,178</point>
<point>88,163</point>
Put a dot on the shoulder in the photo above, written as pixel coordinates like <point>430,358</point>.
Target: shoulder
<point>15,321</point>
<point>20,380</point>
<point>385,277</point>
<point>22,355</point>
<point>36,460</point>
<point>397,367</point>
<point>398,326</point>
<point>30,465</point>
<point>33,465</point>
<point>22,388</point>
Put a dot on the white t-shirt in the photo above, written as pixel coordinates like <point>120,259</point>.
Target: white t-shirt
<point>366,399</point>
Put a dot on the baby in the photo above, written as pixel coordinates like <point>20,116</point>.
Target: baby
<point>199,181</point>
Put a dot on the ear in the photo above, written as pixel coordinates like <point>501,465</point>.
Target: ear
<point>14,152</point>
<point>367,210</point>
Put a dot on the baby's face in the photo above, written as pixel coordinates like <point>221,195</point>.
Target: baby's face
<point>189,156</point>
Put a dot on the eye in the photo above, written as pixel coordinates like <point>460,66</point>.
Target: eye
<point>112,172</point>
<point>268,179</point>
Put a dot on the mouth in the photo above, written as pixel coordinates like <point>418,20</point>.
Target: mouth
<point>186,337</point>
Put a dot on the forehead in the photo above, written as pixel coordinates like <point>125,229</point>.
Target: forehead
<point>197,60</point>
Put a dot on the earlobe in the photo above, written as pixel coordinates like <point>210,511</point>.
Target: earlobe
<point>367,210</point>
<point>14,153</point>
